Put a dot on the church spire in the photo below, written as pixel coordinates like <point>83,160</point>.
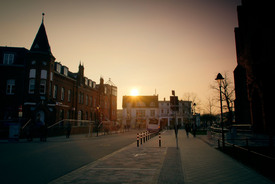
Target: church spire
<point>41,43</point>
<point>43,14</point>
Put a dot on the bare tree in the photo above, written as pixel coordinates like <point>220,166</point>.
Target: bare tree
<point>227,95</point>
<point>210,105</point>
<point>195,105</point>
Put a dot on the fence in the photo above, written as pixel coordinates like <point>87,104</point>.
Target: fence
<point>258,145</point>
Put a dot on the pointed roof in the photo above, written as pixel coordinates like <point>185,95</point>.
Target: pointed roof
<point>41,43</point>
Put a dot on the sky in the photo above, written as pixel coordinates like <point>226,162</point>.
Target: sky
<point>154,46</point>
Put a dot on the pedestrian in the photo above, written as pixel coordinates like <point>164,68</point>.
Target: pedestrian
<point>187,129</point>
<point>42,129</point>
<point>68,130</point>
<point>194,129</point>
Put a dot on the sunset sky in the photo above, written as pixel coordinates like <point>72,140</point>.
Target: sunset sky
<point>149,45</point>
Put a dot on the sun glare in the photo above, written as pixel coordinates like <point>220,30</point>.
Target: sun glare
<point>134,92</point>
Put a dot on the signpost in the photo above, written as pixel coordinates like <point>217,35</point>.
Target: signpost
<point>174,105</point>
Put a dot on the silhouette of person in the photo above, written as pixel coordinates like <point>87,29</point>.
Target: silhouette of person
<point>68,130</point>
<point>187,129</point>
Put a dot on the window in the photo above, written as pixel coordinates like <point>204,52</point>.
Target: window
<point>140,104</point>
<point>80,98</point>
<point>62,93</point>
<point>86,81</point>
<point>58,67</point>
<point>87,100</point>
<point>152,112</point>
<point>65,70</point>
<point>69,95</point>
<point>42,89</point>
<point>32,73</point>
<point>10,86</point>
<point>31,86</point>
<point>140,113</point>
<point>43,74</point>
<point>55,91</point>
<point>8,59</point>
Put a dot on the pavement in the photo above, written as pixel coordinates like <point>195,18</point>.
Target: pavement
<point>193,162</point>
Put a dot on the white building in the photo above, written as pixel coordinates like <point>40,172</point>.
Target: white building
<point>167,115</point>
<point>139,110</point>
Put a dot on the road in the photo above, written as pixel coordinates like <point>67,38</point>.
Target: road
<point>39,162</point>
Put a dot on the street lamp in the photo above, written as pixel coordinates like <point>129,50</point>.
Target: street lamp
<point>219,79</point>
<point>194,105</point>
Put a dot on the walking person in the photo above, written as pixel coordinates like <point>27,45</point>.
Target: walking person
<point>194,129</point>
<point>68,130</point>
<point>42,129</point>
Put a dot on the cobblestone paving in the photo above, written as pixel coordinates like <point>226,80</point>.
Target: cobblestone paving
<point>131,165</point>
<point>194,162</point>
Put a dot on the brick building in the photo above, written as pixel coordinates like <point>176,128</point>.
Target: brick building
<point>254,73</point>
<point>34,80</point>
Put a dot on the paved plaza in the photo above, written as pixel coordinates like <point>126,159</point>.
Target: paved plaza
<point>192,163</point>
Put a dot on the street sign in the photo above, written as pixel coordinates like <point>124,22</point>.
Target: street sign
<point>174,103</point>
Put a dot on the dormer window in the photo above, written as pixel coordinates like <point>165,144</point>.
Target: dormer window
<point>65,71</point>
<point>90,83</point>
<point>58,67</point>
<point>86,81</point>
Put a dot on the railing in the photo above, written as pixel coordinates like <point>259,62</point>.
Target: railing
<point>246,148</point>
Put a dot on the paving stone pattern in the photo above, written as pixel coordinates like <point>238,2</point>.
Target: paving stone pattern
<point>194,162</point>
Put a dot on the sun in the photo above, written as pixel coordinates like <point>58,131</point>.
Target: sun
<point>134,92</point>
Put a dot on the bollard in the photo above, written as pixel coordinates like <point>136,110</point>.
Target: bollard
<point>137,139</point>
<point>144,137</point>
<point>159,140</point>
<point>141,138</point>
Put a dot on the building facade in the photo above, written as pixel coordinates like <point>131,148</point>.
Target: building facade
<point>253,75</point>
<point>167,116</point>
<point>139,110</point>
<point>33,81</point>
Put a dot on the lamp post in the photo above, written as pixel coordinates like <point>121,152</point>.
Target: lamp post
<point>219,79</point>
